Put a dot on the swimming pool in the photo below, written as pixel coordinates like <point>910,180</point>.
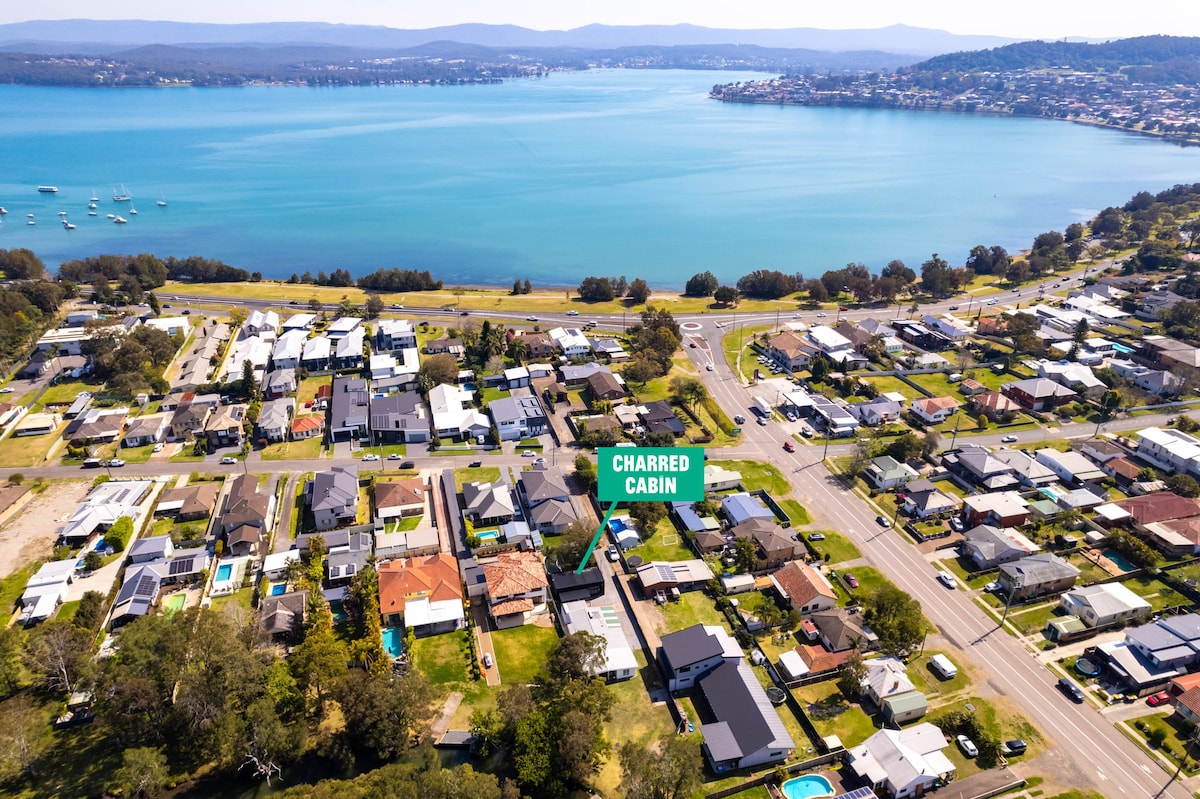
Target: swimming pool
<point>223,571</point>
<point>1119,560</point>
<point>1122,348</point>
<point>176,601</point>
<point>809,786</point>
<point>617,525</point>
<point>278,588</point>
<point>1049,493</point>
<point>488,535</point>
<point>393,641</point>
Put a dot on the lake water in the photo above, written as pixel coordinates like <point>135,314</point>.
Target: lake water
<point>603,172</point>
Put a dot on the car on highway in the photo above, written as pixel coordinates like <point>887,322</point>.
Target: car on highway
<point>816,536</point>
<point>850,579</point>
<point>789,446</point>
<point>528,454</point>
<point>227,460</point>
<point>371,457</point>
<point>843,308</point>
<point>531,318</point>
<point>947,579</point>
<point>967,746</point>
<point>822,315</point>
<point>398,306</point>
<point>739,419</point>
<point>1014,747</point>
<point>1009,439</point>
<point>953,307</point>
<point>762,420</point>
<point>572,312</point>
<point>393,457</point>
<point>708,367</point>
<point>882,521</point>
<point>539,461</point>
<point>1070,689</point>
<point>116,463</point>
<point>1160,698</point>
<point>464,313</point>
<point>408,465</point>
<point>991,302</point>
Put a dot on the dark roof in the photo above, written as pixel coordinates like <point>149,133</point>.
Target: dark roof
<point>690,645</point>
<point>741,710</point>
<point>348,406</point>
<point>570,581</point>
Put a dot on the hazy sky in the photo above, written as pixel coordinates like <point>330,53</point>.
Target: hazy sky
<point>1015,18</point>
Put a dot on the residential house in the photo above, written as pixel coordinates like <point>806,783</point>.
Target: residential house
<point>1103,604</point>
<point>516,377</point>
<point>659,417</point>
<point>993,404</point>
<point>299,321</point>
<point>400,498</point>
<point>96,426</point>
<point>717,478</point>
<point>1038,393</point>
<point>934,410</point>
<point>1154,654</point>
<point>1027,469</point>
<point>343,562</point>
<point>773,545</point>
<point>1170,449</point>
<point>978,466</point>
<point>446,346</point>
<point>877,411</point>
<point>349,409</point>
<point>516,588</point>
<point>1155,381</point>
<point>605,386</point>
<point>189,503</point>
<point>138,593</point>
<point>1036,575</point>
<point>518,417</point>
<point>333,497</point>
<point>348,350</point>
<point>343,327</point>
<point>690,653</point>
<point>400,418</point>
<point>569,587</point>
<point>841,629</point>
<point>989,546</point>
<point>1071,467</point>
<point>609,348</point>
<point>575,376</point>
<point>923,499</point>
<point>275,419</point>
<point>394,335</point>
<point>280,383</point>
<point>673,576</point>
<point>571,342</point>
<point>454,417</point>
<point>886,473</point>
<point>888,687</point>
<point>742,507</point>
<point>317,355</point>
<point>407,543</point>
<point>747,731</point>
<point>282,616</point>
<point>803,588</point>
<point>488,503</point>
<point>45,590</point>
<point>549,501</point>
<point>538,346</point>
<point>619,662</point>
<point>289,349</point>
<point>1075,376</point>
<point>259,323</point>
<point>145,430</point>
<point>307,427</point>
<point>791,350</point>
<point>224,428</point>
<point>903,763</point>
<point>245,516</point>
<point>423,594</point>
<point>921,336</point>
<point>149,549</point>
<point>1000,509</point>
<point>102,506</point>
<point>36,424</point>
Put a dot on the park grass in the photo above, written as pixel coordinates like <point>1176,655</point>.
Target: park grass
<point>522,651</point>
<point>304,449</point>
<point>745,336</point>
<point>832,714</point>
<point>838,547</point>
<point>485,474</point>
<point>757,475</point>
<point>693,607</point>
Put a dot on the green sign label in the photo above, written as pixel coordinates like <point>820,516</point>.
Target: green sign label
<point>650,474</point>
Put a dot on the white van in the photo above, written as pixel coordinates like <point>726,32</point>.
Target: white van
<point>942,667</point>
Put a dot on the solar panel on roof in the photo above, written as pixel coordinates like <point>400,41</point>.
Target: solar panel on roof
<point>180,566</point>
<point>665,572</point>
<point>147,586</point>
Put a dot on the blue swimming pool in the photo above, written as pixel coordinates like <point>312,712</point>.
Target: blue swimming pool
<point>1122,348</point>
<point>393,641</point>
<point>1049,493</point>
<point>488,535</point>
<point>278,588</point>
<point>809,786</point>
<point>224,570</point>
<point>617,525</point>
<point>1119,560</point>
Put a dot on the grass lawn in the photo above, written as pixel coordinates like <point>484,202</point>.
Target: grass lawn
<point>891,383</point>
<point>487,474</point>
<point>242,596</point>
<point>26,450</point>
<point>136,454</point>
<point>490,394</point>
<point>1034,619</point>
<point>185,455</point>
<point>64,393</point>
<point>693,607</point>
<point>837,547</point>
<point>443,659</point>
<point>832,714</point>
<point>67,610</point>
<point>1155,591</point>
<point>929,683</point>
<point>869,580</point>
<point>1002,720</point>
<point>937,385</point>
<point>307,390</point>
<point>795,511</point>
<point>758,475</point>
<point>1177,735</point>
<point>304,449</point>
<point>656,547</point>
<point>746,336</point>
<point>521,651</point>
<point>634,718</point>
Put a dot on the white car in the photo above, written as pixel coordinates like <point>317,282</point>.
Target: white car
<point>227,460</point>
<point>1009,439</point>
<point>371,457</point>
<point>531,318</point>
<point>572,312</point>
<point>528,454</point>
<point>947,579</point>
<point>158,447</point>
<point>967,746</point>
<point>6,390</point>
<point>708,367</point>
<point>821,315</point>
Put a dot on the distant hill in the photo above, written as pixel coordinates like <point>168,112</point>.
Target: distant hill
<point>1139,51</point>
<point>85,36</point>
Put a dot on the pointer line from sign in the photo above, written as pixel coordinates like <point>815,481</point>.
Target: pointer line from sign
<point>596,538</point>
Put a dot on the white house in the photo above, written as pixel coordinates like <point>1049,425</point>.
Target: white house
<point>571,341</point>
<point>1104,603</point>
<point>934,410</point>
<point>453,413</point>
<point>289,347</point>
<point>171,325</point>
<point>342,326</point>
<point>1170,449</point>
<point>903,763</point>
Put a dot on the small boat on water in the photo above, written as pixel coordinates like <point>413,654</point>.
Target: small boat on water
<point>124,196</point>
<point>94,198</point>
<point>30,222</point>
<point>29,215</point>
<point>92,204</point>
<point>112,216</point>
<point>48,189</point>
<point>92,213</point>
<point>68,226</point>
<point>62,213</point>
<point>120,220</point>
<point>3,211</point>
<point>133,210</point>
<point>162,202</point>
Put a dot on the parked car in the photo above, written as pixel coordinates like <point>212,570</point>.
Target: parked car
<point>157,447</point>
<point>613,554</point>
<point>6,390</point>
<point>393,457</point>
<point>1070,689</point>
<point>967,746</point>
<point>992,588</point>
<point>789,446</point>
<point>816,536</point>
<point>1160,698</point>
<point>487,660</point>
<point>115,463</point>
<point>850,579</point>
<point>947,579</point>
<point>371,457</point>
<point>843,308</point>
<point>227,460</point>
<point>93,463</point>
<point>528,454</point>
<point>1013,747</point>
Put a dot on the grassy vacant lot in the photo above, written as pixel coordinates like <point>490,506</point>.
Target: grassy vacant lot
<point>1001,720</point>
<point>307,390</point>
<point>64,393</point>
<point>869,581</point>
<point>26,450</point>
<point>929,683</point>
<point>305,448</point>
<point>487,474</point>
<point>693,607</point>
<point>634,718</point>
<point>795,512</point>
<point>521,651</point>
<point>836,546</point>
<point>758,475</point>
<point>891,383</point>
<point>1176,733</point>
<point>444,659</point>
<point>656,549</point>
<point>832,714</point>
<point>745,336</point>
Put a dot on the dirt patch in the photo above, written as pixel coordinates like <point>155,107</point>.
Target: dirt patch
<point>30,534</point>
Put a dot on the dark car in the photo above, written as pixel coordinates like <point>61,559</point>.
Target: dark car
<point>475,464</point>
<point>1014,747</point>
<point>1070,689</point>
<point>408,465</point>
<point>882,521</point>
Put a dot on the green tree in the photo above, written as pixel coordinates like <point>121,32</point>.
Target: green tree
<point>22,736</point>
<point>143,773</point>
<point>745,555</point>
<point>689,391</point>
<point>1184,485</point>
<point>1109,401</point>
<point>726,295</point>
<point>852,675</point>
<point>118,535</point>
<point>669,768</point>
<point>639,291</point>
<point>60,655</point>
<point>436,370</point>
<point>896,618</point>
<point>701,284</point>
<point>382,712</point>
<point>12,650</point>
<point>374,306</point>
<point>90,612</point>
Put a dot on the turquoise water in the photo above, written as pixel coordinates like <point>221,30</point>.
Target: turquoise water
<point>607,172</point>
<point>1120,561</point>
<point>488,535</point>
<point>809,786</point>
<point>224,570</point>
<point>393,641</point>
<point>1122,348</point>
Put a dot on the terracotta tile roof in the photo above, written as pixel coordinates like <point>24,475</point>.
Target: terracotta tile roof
<point>819,659</point>
<point>1123,467</point>
<point>512,606</point>
<point>1159,507</point>
<point>994,402</point>
<point>303,424</point>
<point>1190,699</point>
<point>514,573</point>
<point>931,405</point>
<point>1185,682</point>
<point>400,493</point>
<point>801,583</point>
<point>434,577</point>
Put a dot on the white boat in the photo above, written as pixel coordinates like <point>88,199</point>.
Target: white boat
<point>92,213</point>
<point>30,222</point>
<point>92,204</point>
<point>120,220</point>
<point>48,189</point>
<point>124,196</point>
<point>3,211</point>
<point>62,213</point>
<point>133,210</point>
<point>162,202</point>
<point>68,226</point>
<point>112,216</point>
<point>94,198</point>
<point>29,215</point>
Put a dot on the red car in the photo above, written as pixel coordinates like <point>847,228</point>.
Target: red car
<point>787,445</point>
<point>843,308</point>
<point>1160,698</point>
<point>851,580</point>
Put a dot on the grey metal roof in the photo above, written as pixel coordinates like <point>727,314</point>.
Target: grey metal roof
<point>690,645</point>
<point>746,721</point>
